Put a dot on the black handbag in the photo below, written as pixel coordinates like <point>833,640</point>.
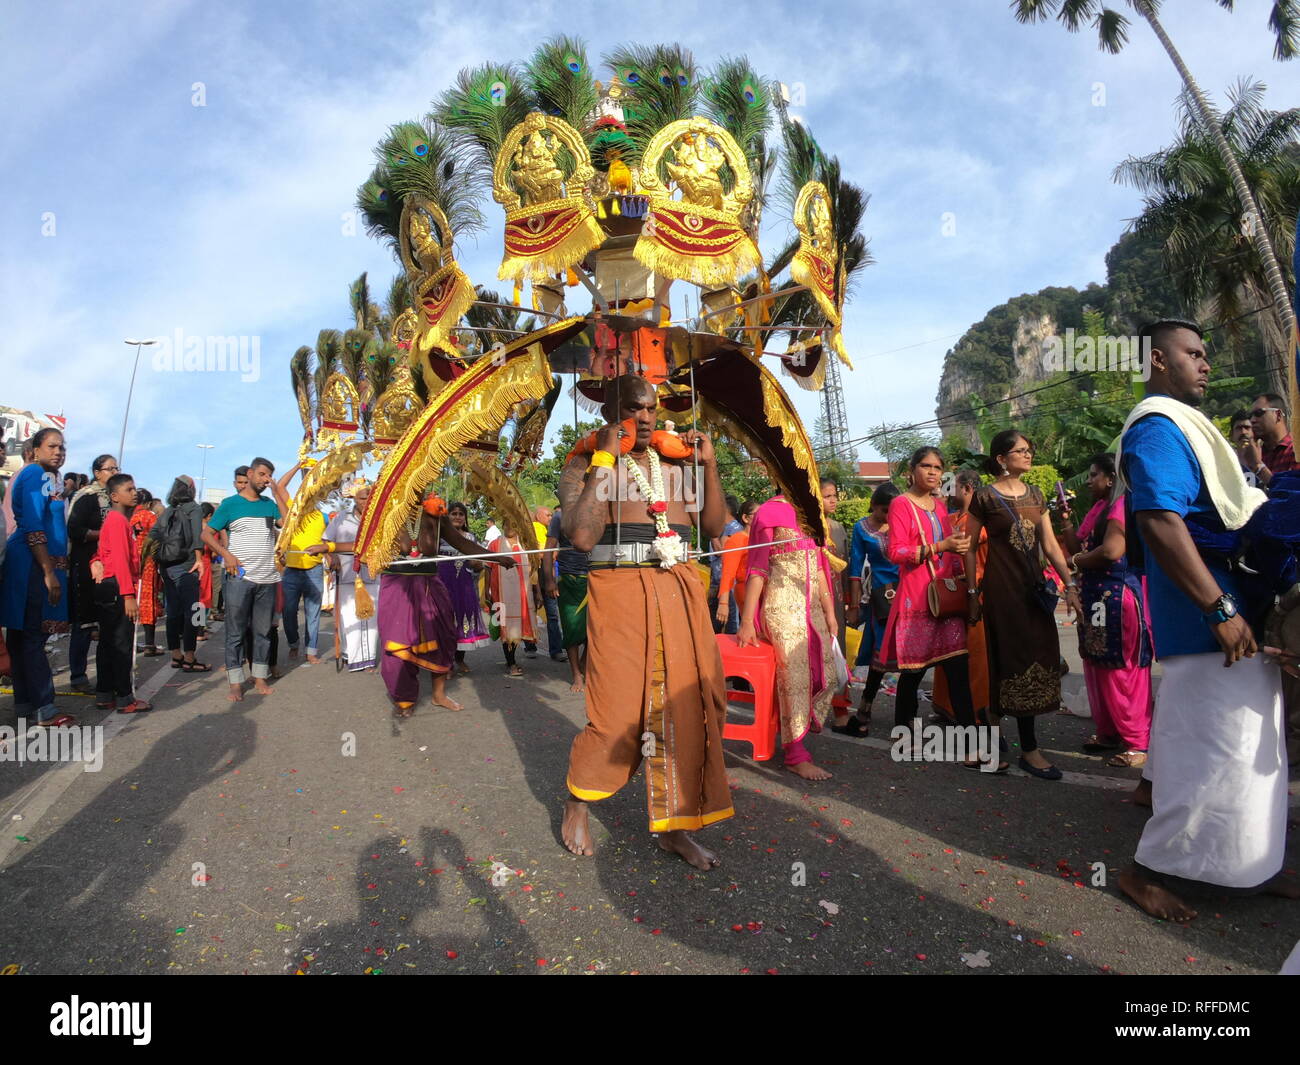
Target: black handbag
<point>1042,592</point>
<point>882,598</point>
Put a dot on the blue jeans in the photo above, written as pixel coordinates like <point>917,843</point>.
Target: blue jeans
<point>554,637</point>
<point>78,651</point>
<point>33,681</point>
<point>248,603</point>
<point>309,586</point>
<point>181,591</point>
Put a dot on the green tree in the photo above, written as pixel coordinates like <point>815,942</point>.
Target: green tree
<point>1112,35</point>
<point>896,441</point>
<point>1192,207</point>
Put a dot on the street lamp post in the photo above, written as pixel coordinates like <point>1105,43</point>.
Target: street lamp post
<point>203,476</point>
<point>121,444</point>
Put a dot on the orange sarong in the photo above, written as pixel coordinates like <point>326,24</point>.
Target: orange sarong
<point>654,692</point>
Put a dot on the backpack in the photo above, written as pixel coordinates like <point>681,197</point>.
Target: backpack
<point>173,535</point>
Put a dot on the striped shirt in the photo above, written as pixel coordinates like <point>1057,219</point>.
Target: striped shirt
<point>251,525</point>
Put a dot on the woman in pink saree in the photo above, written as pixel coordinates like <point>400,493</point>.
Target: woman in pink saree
<point>788,600</point>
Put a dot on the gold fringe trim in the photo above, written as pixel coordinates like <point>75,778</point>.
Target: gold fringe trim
<point>463,297</point>
<point>479,401</point>
<point>363,604</point>
<point>706,269</point>
<point>586,236</point>
<point>837,346</point>
<point>502,494</point>
<point>317,484</point>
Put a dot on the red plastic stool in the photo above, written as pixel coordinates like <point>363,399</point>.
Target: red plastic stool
<point>758,666</point>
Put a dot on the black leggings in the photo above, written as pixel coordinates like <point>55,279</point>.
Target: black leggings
<point>510,654</point>
<point>874,678</point>
<point>1028,741</point>
<point>957,671</point>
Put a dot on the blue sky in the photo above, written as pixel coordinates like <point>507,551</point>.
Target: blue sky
<point>228,219</point>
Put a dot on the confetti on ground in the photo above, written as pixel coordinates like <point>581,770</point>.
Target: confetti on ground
<point>829,907</point>
<point>978,960</point>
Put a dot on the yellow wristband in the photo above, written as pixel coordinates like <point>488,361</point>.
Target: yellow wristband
<point>601,458</point>
<point>331,545</point>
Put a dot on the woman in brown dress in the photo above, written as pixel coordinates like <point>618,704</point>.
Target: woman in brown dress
<point>1024,649</point>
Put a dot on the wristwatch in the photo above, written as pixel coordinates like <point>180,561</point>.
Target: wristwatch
<point>1225,607</point>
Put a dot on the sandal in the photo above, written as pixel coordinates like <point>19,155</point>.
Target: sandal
<point>177,663</point>
<point>1096,745</point>
<point>514,671</point>
<point>195,667</point>
<point>1003,767</point>
<point>135,706</point>
<point>59,721</point>
<point>106,704</point>
<point>1131,759</point>
<point>151,652</point>
<point>855,727</point>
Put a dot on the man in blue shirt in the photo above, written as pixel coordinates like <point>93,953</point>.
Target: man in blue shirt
<point>1217,769</point>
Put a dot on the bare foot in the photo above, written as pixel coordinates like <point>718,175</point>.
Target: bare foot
<point>313,660</point>
<point>578,684</point>
<point>1154,899</point>
<point>1284,886</point>
<point>575,830</point>
<point>260,687</point>
<point>809,771</point>
<point>369,669</point>
<point>236,694</point>
<point>463,670</point>
<point>1142,793</point>
<point>684,843</point>
<point>449,704</point>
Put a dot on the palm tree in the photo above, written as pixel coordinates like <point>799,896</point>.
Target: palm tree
<point>1191,206</point>
<point>1112,35</point>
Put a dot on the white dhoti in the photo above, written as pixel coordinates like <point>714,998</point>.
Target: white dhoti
<point>1218,772</point>
<point>359,636</point>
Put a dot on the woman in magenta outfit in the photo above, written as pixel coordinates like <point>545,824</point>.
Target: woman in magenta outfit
<point>921,539</point>
<point>1114,640</point>
<point>788,595</point>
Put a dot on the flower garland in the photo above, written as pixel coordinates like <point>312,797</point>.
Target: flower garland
<point>668,546</point>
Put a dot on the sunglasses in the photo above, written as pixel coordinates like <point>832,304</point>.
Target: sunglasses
<point>1259,412</point>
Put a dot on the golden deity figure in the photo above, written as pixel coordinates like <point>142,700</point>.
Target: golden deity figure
<point>695,170</point>
<point>536,174</point>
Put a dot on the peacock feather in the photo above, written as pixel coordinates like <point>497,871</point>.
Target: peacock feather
<point>300,376</point>
<point>740,102</point>
<point>561,82</point>
<point>352,355</point>
<point>421,158</point>
<point>380,207</point>
<point>359,298</point>
<point>484,105</point>
<point>399,297</point>
<point>661,87</point>
<point>328,343</point>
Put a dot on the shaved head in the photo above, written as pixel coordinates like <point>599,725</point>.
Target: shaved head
<point>621,390</point>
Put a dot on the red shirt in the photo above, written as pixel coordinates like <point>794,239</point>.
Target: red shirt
<point>1280,458</point>
<point>117,552</point>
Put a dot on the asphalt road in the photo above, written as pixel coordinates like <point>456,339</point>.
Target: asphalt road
<point>309,831</point>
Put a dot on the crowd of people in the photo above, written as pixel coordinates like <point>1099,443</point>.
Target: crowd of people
<point>959,573</point>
